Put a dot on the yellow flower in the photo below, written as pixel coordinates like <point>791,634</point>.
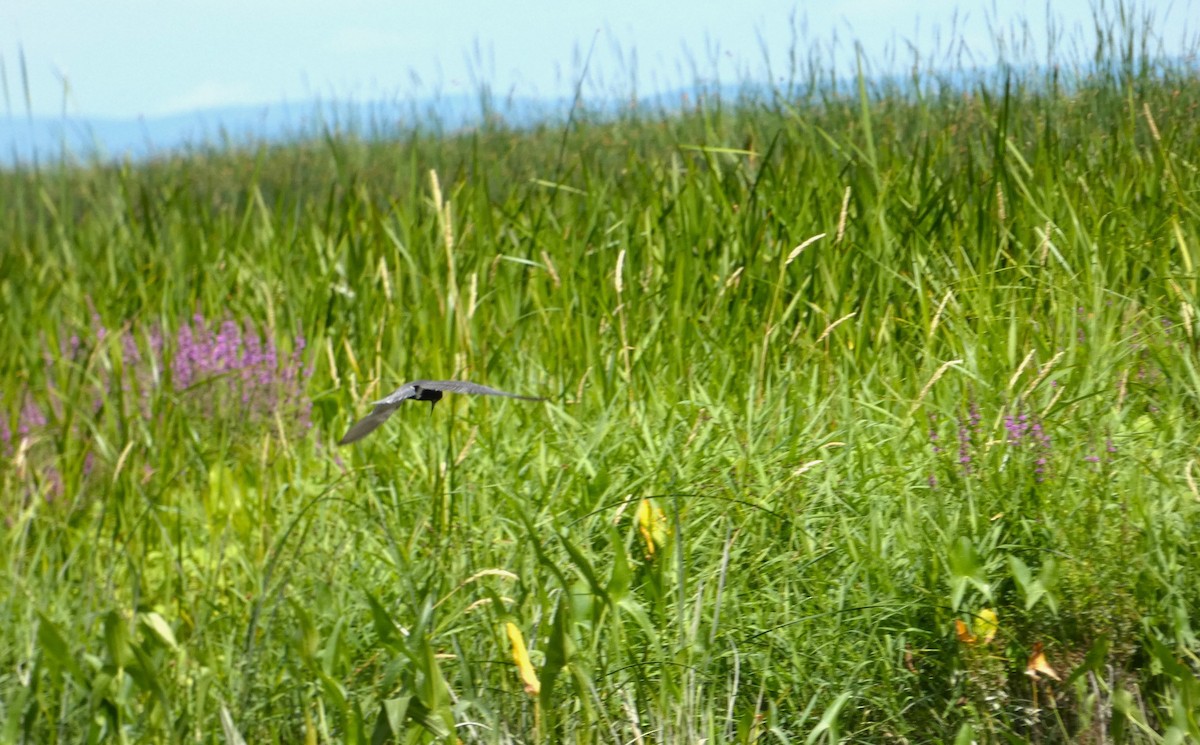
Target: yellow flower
<point>652,524</point>
<point>521,656</point>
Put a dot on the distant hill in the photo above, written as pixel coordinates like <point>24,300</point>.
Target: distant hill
<point>42,140</point>
<point>46,139</point>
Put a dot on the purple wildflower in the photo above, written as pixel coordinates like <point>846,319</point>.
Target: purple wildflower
<point>98,328</point>
<point>261,382</point>
<point>181,366</point>
<point>1040,438</point>
<point>223,356</point>
<point>32,417</point>
<point>233,371</point>
<point>1017,428</point>
<point>933,435</point>
<point>129,349</point>
<point>964,447</point>
<point>1026,432</point>
<point>244,370</point>
<point>156,341</point>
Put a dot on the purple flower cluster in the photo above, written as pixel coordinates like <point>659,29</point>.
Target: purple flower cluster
<point>241,369</point>
<point>970,432</point>
<point>226,371</point>
<point>933,435</point>
<point>1109,447</point>
<point>1024,431</point>
<point>1025,435</point>
<point>29,418</point>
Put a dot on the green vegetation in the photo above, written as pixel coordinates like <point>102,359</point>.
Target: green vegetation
<point>878,488</point>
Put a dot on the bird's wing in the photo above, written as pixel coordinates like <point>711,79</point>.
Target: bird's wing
<point>369,423</point>
<point>403,393</point>
<point>465,386</point>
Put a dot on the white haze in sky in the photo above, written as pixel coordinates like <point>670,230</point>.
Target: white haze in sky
<point>130,58</point>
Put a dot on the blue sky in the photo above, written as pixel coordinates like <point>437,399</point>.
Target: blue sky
<point>130,58</point>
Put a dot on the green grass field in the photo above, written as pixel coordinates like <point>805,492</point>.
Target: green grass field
<point>872,417</point>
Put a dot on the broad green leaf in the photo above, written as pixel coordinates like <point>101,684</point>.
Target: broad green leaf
<point>620,578</point>
<point>828,723</point>
<point>966,569</point>
<point>1048,580</point>
<point>160,628</point>
<point>966,735</point>
<point>116,638</point>
<point>385,628</point>
<point>55,646</point>
<point>1020,573</point>
<point>392,721</point>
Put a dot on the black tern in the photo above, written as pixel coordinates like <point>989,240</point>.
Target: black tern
<point>419,390</point>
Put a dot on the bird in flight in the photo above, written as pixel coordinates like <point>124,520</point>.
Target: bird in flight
<point>418,390</point>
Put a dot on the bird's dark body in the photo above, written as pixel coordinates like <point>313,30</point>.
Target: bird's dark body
<point>427,394</point>
<point>419,390</point>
